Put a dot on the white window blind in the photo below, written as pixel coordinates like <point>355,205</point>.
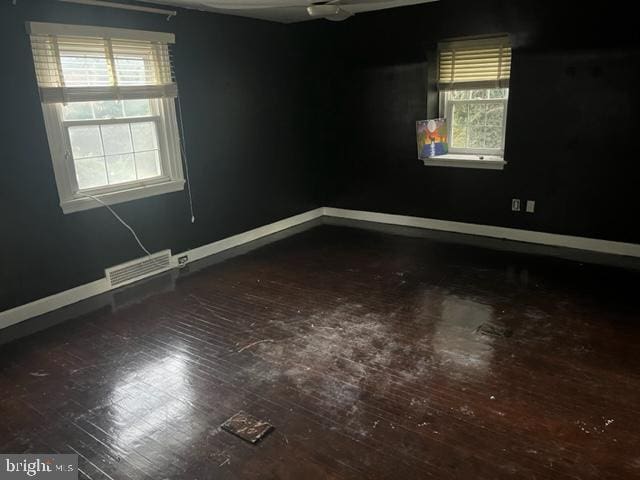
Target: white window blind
<point>474,64</point>
<point>101,64</point>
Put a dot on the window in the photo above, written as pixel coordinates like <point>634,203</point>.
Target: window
<point>473,80</point>
<point>109,109</point>
<point>476,120</point>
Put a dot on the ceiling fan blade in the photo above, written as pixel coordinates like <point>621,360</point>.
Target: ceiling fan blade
<point>346,3</point>
<point>259,5</point>
<point>342,15</point>
<point>251,6</point>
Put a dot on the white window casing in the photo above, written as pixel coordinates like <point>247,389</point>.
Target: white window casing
<point>78,63</point>
<point>473,64</point>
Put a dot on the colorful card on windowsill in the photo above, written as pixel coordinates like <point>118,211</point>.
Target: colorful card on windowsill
<point>432,137</point>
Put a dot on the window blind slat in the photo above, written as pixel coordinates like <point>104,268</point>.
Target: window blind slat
<point>92,94</point>
<point>76,68</point>
<point>478,63</point>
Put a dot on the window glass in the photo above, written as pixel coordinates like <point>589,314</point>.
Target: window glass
<point>148,164</point>
<point>477,119</point>
<point>106,109</point>
<point>85,141</point>
<point>121,168</point>
<point>114,153</point>
<point>90,172</point>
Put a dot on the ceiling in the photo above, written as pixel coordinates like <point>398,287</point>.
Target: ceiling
<point>285,11</point>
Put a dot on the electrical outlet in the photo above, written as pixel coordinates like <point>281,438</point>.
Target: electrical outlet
<point>531,206</point>
<point>515,204</point>
<point>182,261</point>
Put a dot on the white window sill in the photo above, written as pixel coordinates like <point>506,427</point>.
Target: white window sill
<point>491,162</point>
<point>85,203</point>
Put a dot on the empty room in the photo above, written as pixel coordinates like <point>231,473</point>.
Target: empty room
<point>297,239</point>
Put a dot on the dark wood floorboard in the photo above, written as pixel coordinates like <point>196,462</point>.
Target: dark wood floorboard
<point>373,355</point>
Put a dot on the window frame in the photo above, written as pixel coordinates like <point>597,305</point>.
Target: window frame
<point>72,199</point>
<point>446,110</point>
<point>163,114</point>
<point>472,63</point>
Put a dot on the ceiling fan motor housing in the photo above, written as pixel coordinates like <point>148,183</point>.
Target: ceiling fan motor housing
<point>323,10</point>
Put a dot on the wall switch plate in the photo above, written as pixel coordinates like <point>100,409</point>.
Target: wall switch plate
<point>515,204</point>
<point>531,206</point>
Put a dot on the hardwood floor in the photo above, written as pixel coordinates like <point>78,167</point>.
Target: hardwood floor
<point>374,356</point>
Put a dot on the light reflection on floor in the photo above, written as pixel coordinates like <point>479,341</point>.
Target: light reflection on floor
<point>147,400</point>
<point>455,341</point>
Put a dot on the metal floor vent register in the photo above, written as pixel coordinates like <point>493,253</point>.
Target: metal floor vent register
<point>138,269</point>
<point>247,427</point>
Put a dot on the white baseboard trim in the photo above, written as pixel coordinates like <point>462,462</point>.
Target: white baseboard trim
<point>82,292</point>
<point>246,237</point>
<point>529,236</point>
<point>53,302</point>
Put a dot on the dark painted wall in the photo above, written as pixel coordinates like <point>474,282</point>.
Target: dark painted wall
<point>280,119</point>
<point>572,132</point>
<point>243,89</point>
